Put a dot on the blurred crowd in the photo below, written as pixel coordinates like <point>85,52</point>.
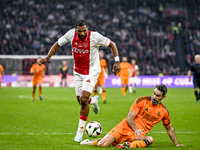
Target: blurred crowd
<point>138,28</point>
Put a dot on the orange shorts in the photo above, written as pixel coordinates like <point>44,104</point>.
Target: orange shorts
<point>100,81</point>
<point>122,132</point>
<point>124,80</point>
<point>37,81</point>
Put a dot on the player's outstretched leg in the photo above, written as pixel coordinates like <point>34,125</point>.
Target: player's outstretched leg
<point>87,142</point>
<point>148,140</point>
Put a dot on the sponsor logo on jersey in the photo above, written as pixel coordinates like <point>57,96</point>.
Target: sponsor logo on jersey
<point>79,50</point>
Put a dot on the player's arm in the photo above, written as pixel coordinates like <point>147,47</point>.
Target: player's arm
<point>43,73</point>
<point>52,50</point>
<point>106,71</point>
<point>189,74</point>
<point>130,120</point>
<point>116,66</point>
<point>171,133</point>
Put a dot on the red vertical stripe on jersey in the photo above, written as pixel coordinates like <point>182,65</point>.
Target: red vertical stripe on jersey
<point>81,52</point>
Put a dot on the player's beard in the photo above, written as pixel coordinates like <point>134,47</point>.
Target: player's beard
<point>82,37</point>
<point>154,101</point>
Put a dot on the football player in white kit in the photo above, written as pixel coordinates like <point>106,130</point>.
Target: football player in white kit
<point>85,46</point>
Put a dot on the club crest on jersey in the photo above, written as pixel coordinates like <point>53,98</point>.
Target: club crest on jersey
<point>85,44</point>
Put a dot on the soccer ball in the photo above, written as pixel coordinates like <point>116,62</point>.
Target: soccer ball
<point>93,129</point>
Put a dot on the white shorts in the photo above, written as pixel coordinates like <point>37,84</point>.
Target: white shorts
<point>85,82</point>
<point>132,80</point>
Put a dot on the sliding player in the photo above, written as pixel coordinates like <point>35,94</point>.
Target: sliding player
<point>145,113</point>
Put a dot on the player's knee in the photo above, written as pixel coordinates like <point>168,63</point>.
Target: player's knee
<point>83,100</point>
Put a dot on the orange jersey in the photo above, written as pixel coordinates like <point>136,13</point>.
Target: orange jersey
<point>38,67</point>
<point>148,115</point>
<point>103,65</point>
<point>1,69</point>
<point>125,66</point>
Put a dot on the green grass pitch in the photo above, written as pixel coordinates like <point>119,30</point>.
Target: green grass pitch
<point>51,124</point>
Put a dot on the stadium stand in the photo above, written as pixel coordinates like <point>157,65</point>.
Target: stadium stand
<point>140,29</point>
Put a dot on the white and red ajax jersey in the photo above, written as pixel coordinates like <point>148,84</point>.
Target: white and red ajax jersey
<point>85,51</point>
<point>135,69</point>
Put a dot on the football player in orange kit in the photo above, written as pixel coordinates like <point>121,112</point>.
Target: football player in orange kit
<point>101,78</point>
<point>126,69</point>
<point>38,72</point>
<point>1,74</point>
<point>145,113</point>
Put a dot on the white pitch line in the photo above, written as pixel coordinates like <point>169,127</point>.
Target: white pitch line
<point>74,133</point>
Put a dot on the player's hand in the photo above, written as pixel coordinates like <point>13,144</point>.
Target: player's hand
<point>189,79</point>
<point>42,61</point>
<point>116,67</point>
<point>138,132</point>
<point>179,145</point>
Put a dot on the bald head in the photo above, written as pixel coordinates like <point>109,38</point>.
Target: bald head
<point>197,58</point>
<point>124,59</point>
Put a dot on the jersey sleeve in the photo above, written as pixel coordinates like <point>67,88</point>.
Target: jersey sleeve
<point>136,68</point>
<point>166,119</point>
<point>1,68</point>
<point>66,38</point>
<point>32,68</point>
<point>136,105</point>
<point>100,39</point>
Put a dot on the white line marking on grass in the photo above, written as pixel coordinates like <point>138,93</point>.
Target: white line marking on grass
<point>35,133</point>
<point>177,132</point>
<point>74,133</point>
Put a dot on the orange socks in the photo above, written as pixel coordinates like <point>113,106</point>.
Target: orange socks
<point>104,95</point>
<point>123,91</point>
<point>94,143</point>
<point>140,144</point>
<point>33,94</point>
<point>40,90</point>
<point>95,93</point>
